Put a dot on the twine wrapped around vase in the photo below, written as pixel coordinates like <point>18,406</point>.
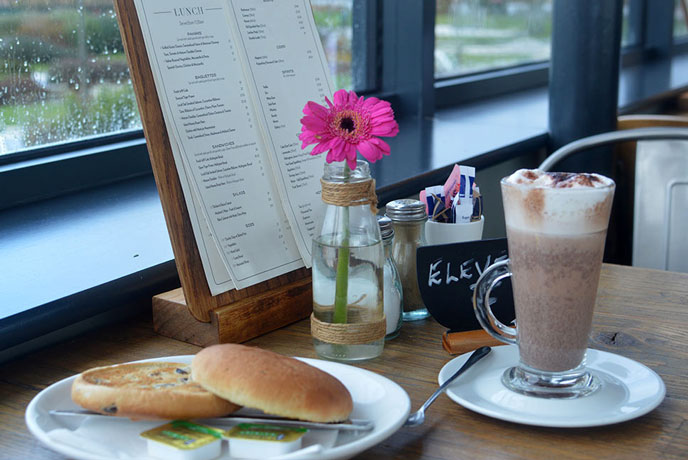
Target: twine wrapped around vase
<point>350,193</point>
<point>348,333</point>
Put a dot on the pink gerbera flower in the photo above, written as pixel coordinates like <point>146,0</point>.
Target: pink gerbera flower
<point>348,125</point>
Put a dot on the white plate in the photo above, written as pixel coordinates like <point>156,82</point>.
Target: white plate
<point>375,398</point>
<point>629,390</point>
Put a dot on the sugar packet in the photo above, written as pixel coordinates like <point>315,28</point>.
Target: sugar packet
<point>454,201</point>
<point>452,185</point>
<point>477,204</point>
<point>434,200</point>
<point>462,202</point>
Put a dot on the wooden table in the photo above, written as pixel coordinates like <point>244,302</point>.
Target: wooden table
<point>641,314</point>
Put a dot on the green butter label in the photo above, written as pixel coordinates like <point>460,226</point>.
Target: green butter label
<point>183,435</point>
<point>197,428</point>
<point>260,432</point>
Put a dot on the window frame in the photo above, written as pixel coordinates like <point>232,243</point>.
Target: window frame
<point>365,45</point>
<point>452,91</point>
<point>72,167</point>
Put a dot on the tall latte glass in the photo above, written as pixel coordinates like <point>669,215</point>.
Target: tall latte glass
<point>556,225</point>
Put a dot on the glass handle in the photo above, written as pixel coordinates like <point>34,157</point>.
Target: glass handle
<point>481,302</point>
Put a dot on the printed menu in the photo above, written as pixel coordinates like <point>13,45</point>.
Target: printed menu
<point>232,77</point>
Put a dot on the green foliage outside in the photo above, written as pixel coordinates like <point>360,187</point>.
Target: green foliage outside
<point>333,24</point>
<point>680,23</point>
<point>488,34</point>
<point>110,109</point>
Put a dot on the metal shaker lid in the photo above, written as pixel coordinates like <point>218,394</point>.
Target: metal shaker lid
<point>406,210</point>
<point>386,229</point>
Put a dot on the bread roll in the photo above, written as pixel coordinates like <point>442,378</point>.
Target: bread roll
<point>273,383</point>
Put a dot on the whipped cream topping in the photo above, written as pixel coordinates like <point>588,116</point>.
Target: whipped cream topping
<point>557,203</point>
<point>544,179</point>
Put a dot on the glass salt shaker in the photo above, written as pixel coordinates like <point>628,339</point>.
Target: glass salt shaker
<point>392,298</point>
<point>408,220</point>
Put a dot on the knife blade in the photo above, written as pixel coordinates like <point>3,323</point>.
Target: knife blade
<point>349,425</point>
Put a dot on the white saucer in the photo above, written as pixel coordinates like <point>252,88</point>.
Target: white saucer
<point>629,390</point>
<point>375,398</point>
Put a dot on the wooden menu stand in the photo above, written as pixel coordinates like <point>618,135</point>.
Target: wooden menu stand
<point>191,313</point>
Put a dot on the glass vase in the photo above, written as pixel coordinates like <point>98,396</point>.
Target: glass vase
<point>348,322</point>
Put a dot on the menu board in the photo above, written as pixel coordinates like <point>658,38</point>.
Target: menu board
<point>232,77</point>
<point>447,275</point>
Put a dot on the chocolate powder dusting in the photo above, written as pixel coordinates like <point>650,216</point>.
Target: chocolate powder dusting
<point>560,179</point>
<point>535,204</point>
<point>530,175</point>
<point>584,179</point>
<point>598,214</point>
<point>568,180</point>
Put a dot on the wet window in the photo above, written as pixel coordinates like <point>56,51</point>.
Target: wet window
<point>64,74</point>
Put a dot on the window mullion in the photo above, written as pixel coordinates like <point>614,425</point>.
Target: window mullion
<point>408,44</point>
<point>636,22</point>
<point>659,27</point>
<point>584,75</point>
<point>364,45</point>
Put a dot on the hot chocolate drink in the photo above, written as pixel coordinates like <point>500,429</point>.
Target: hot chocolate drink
<point>556,226</point>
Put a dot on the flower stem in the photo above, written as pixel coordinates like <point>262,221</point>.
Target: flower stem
<point>343,255</point>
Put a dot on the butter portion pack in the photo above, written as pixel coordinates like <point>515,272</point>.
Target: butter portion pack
<point>184,440</point>
<point>253,440</point>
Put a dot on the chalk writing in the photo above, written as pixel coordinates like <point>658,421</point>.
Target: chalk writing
<point>447,275</point>
<point>440,271</point>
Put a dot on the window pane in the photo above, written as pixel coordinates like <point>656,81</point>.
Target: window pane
<point>628,36</point>
<point>681,19</point>
<point>477,35</point>
<point>334,19</point>
<point>64,75</point>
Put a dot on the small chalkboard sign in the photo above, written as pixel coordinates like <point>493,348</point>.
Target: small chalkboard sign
<point>447,275</point>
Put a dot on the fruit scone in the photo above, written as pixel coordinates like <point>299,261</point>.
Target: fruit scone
<point>148,390</point>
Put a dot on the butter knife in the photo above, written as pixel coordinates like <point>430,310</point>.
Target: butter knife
<point>350,425</point>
